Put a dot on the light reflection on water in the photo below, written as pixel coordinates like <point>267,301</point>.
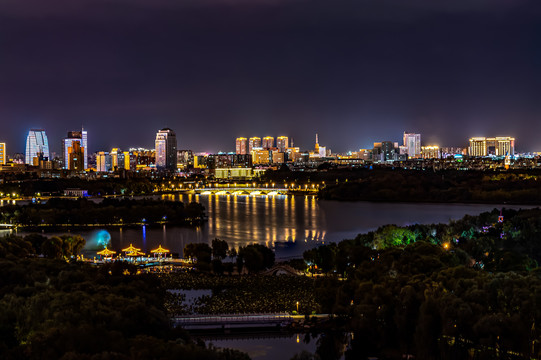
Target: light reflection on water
<point>290,223</point>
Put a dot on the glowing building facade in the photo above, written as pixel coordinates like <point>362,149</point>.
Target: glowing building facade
<point>497,146</point>
<point>282,143</point>
<point>268,142</point>
<point>80,137</point>
<point>103,161</point>
<point>3,155</point>
<point>430,152</point>
<point>253,142</point>
<point>166,150</point>
<point>412,142</point>
<point>241,146</point>
<point>37,146</point>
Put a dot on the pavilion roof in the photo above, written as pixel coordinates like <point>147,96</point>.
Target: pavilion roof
<point>131,248</point>
<point>106,252</point>
<point>159,250</point>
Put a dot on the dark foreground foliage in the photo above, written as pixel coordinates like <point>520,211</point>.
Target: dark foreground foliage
<point>53,309</point>
<point>426,289</point>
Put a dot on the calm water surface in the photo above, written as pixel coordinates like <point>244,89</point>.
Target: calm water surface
<point>291,224</point>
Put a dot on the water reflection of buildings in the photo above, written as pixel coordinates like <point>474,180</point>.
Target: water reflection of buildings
<point>245,219</point>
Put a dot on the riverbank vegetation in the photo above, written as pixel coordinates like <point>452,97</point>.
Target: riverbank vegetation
<point>426,185</point>
<point>119,212</point>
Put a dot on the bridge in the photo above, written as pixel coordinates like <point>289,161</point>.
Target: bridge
<point>233,320</point>
<point>242,191</point>
<point>228,321</point>
<point>282,269</point>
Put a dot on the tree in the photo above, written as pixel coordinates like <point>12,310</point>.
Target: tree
<point>219,248</point>
<point>201,252</point>
<point>52,247</point>
<point>257,257</point>
<point>72,245</point>
<point>36,240</point>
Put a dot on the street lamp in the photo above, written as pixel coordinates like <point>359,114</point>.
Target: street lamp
<point>297,306</point>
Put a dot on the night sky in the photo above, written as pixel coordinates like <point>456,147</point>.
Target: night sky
<point>355,71</point>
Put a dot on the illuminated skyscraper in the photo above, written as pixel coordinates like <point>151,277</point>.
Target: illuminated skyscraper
<point>268,142</point>
<point>413,144</point>
<point>3,154</point>
<point>282,143</point>
<point>254,142</point>
<point>80,137</point>
<point>36,145</point>
<point>166,149</point>
<point>242,146</point>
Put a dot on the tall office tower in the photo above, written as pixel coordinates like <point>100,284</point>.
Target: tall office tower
<point>3,154</point>
<point>498,146</point>
<point>75,156</point>
<point>253,142</point>
<point>268,142</point>
<point>282,143</point>
<point>317,145</point>
<point>413,144</point>
<point>75,136</point>
<point>36,145</point>
<point>166,149</point>
<point>242,146</point>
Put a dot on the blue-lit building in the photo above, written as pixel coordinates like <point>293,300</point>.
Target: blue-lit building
<point>37,146</point>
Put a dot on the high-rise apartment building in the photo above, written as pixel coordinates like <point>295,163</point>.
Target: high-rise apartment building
<point>413,144</point>
<point>37,145</point>
<point>103,161</point>
<point>268,142</point>
<point>242,146</point>
<point>80,137</point>
<point>282,143</point>
<point>497,146</point>
<point>166,149</point>
<point>3,155</point>
<point>253,142</point>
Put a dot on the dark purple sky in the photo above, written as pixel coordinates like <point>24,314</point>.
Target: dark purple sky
<point>355,71</point>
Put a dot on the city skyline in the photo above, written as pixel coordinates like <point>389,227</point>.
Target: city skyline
<point>354,71</point>
<point>62,153</point>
